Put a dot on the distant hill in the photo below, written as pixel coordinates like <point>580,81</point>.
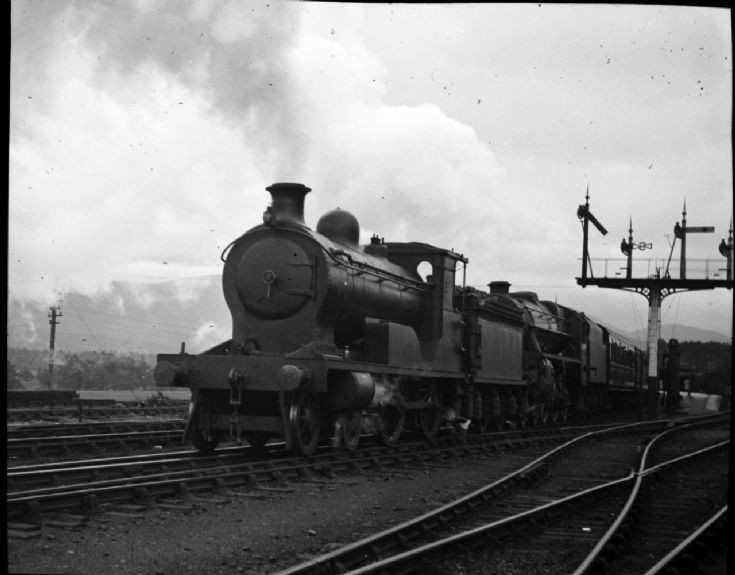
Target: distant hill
<point>681,333</point>
<point>158,317</point>
<point>130,317</point>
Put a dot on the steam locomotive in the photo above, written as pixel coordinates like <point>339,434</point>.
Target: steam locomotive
<point>334,340</point>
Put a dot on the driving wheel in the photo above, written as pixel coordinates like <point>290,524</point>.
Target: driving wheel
<point>429,418</point>
<point>391,420</point>
<point>350,430</point>
<point>204,440</point>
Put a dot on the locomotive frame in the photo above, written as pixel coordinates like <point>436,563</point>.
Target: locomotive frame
<point>331,339</point>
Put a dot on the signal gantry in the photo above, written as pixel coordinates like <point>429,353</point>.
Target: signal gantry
<point>657,285</point>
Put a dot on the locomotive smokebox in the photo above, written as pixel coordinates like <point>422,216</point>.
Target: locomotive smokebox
<point>287,204</point>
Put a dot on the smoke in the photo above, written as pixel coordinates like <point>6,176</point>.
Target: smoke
<point>22,324</point>
<point>146,296</point>
<point>408,173</point>
<point>232,55</point>
<point>135,128</point>
<point>143,133</point>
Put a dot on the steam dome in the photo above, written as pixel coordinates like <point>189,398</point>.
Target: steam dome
<point>339,226</point>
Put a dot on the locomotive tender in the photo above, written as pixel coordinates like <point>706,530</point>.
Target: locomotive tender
<point>334,339</point>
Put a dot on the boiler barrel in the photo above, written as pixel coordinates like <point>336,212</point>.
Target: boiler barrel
<point>373,295</point>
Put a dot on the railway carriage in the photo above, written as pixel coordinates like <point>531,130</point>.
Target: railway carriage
<point>331,339</point>
<point>624,361</point>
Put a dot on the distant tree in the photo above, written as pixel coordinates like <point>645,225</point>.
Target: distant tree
<point>103,370</point>
<point>13,377</point>
<point>30,359</point>
<point>82,370</point>
<point>42,377</point>
<point>72,373</point>
<point>26,375</point>
<point>711,363</point>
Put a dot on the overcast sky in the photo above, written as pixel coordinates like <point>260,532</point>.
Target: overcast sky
<point>143,134</point>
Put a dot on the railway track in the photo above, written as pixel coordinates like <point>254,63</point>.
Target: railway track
<point>94,411</point>
<point>63,475</point>
<point>668,505</point>
<point>134,435</point>
<point>704,548</point>
<point>65,441</point>
<point>89,428</point>
<point>37,489</point>
<point>38,494</point>
<point>536,511</point>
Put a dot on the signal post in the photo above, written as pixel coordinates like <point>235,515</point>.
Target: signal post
<point>655,287</point>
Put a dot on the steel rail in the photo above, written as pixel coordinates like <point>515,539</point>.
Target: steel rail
<point>388,564</point>
<point>54,430</point>
<point>325,458</point>
<point>214,466</point>
<point>65,443</point>
<point>369,459</point>
<point>337,561</point>
<point>674,554</point>
<point>61,479</point>
<point>415,555</point>
<point>14,414</point>
<point>62,466</point>
<point>642,472</point>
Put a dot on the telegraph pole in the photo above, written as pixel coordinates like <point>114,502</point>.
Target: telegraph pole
<point>53,314</point>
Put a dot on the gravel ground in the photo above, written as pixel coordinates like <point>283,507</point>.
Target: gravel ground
<point>244,534</point>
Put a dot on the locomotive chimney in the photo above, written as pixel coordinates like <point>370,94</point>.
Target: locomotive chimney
<point>287,203</point>
<point>499,288</point>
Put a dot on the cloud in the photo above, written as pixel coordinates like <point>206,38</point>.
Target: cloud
<point>133,148</point>
<point>409,173</point>
<point>184,291</point>
<point>117,190</point>
<point>142,149</point>
<point>143,133</point>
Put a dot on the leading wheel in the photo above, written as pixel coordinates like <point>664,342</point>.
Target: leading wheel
<point>204,440</point>
<point>304,424</point>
